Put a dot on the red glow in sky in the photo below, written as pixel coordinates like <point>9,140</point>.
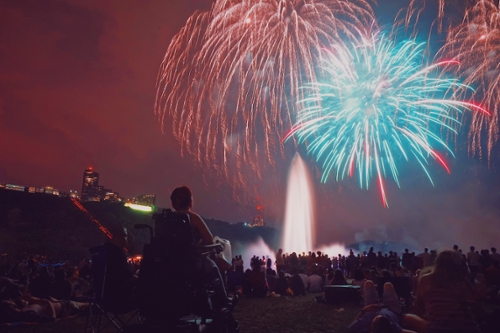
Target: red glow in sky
<point>77,89</point>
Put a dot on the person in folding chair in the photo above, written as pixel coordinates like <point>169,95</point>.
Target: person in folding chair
<point>120,281</point>
<point>182,202</point>
<point>114,283</point>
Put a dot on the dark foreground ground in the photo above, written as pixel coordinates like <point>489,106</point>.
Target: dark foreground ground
<point>277,315</point>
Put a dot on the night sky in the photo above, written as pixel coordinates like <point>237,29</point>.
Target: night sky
<point>77,89</point>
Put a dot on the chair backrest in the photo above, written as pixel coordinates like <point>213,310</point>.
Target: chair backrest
<point>173,230</point>
<point>167,267</point>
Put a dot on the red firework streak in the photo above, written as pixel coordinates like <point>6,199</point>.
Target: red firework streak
<point>93,219</point>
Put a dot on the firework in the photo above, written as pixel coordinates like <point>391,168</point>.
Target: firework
<point>448,12</point>
<point>230,78</point>
<point>378,105</point>
<point>475,44</point>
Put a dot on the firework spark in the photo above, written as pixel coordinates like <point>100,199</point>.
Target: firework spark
<point>475,44</point>
<point>378,105</point>
<point>230,78</point>
<point>447,13</point>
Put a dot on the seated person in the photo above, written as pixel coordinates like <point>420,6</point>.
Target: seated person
<point>246,286</point>
<point>33,309</point>
<point>281,284</point>
<point>443,298</point>
<point>338,278</point>
<point>40,284</point>
<point>315,282</point>
<point>182,202</point>
<point>76,283</point>
<point>271,278</point>
<point>359,279</point>
<point>378,317</point>
<point>9,289</point>
<point>257,281</point>
<point>60,287</point>
<point>120,281</point>
<point>296,284</point>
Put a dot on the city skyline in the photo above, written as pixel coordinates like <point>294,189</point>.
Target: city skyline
<point>90,191</point>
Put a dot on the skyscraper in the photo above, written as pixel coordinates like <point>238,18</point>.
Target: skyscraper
<point>146,199</point>
<point>90,185</point>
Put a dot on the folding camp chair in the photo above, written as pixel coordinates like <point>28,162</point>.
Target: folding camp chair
<point>101,305</point>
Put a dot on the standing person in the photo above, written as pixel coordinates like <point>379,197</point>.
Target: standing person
<point>494,256</point>
<point>280,261</point>
<point>407,260</point>
<point>473,261</point>
<point>372,258</point>
<point>335,263</point>
<point>381,263</point>
<point>352,262</point>
<point>426,258</point>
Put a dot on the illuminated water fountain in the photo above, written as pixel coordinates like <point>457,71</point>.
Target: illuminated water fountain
<point>299,227</point>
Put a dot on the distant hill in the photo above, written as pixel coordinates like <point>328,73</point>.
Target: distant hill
<point>36,223</point>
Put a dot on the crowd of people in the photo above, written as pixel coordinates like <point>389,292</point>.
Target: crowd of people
<point>446,286</point>
<point>446,289</point>
<point>36,290</point>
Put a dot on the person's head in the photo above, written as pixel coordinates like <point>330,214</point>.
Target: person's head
<point>381,324</point>
<point>426,250</point>
<point>338,275</point>
<point>182,198</point>
<point>472,248</point>
<point>449,267</point>
<point>493,250</point>
<point>455,247</point>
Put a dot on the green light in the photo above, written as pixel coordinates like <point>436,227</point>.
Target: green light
<point>139,207</point>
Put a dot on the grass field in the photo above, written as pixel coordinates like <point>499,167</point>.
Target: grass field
<point>278,315</point>
<point>292,315</point>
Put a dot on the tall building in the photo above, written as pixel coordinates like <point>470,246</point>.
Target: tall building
<point>146,200</point>
<point>90,186</point>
